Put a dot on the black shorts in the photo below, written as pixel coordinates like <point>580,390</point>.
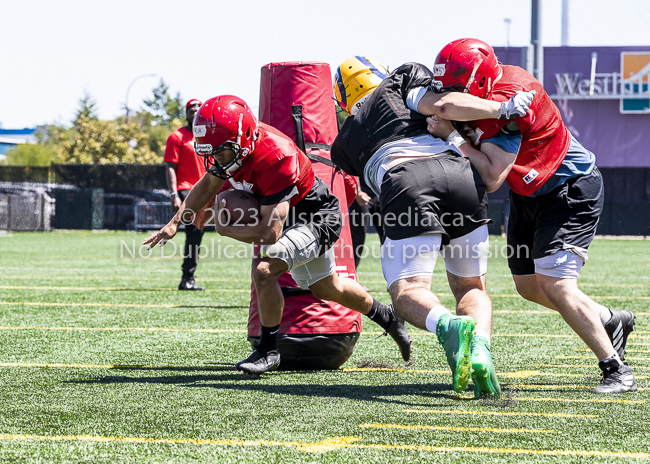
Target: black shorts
<point>434,195</point>
<point>563,218</point>
<point>320,210</point>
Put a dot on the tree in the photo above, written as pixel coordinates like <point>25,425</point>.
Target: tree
<point>105,142</point>
<point>163,107</point>
<point>31,154</point>
<point>42,152</point>
<point>87,108</point>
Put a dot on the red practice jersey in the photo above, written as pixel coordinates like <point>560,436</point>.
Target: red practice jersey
<point>274,168</point>
<point>545,138</point>
<point>180,150</point>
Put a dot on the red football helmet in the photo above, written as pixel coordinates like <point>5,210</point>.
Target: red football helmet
<point>224,122</point>
<point>469,65</point>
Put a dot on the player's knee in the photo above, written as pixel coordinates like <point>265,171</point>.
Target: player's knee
<point>527,288</point>
<point>323,293</point>
<point>461,286</point>
<point>328,289</point>
<point>263,273</point>
<point>401,294</point>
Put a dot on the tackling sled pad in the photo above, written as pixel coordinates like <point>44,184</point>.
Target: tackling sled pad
<point>296,98</point>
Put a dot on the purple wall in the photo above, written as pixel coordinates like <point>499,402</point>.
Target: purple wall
<point>618,140</point>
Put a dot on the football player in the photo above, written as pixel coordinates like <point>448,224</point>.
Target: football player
<point>556,198</point>
<point>431,198</point>
<point>300,220</point>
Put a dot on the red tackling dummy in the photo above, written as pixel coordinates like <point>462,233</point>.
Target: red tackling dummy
<point>295,96</point>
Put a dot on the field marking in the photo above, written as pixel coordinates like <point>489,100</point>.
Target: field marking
<point>526,374</point>
<point>331,444</point>
<point>163,329</point>
<point>566,365</point>
<point>138,366</point>
<point>535,335</point>
<point>391,369</point>
<point>571,400</point>
<point>455,429</point>
<point>516,295</point>
<point>561,386</point>
<point>587,284</point>
<point>138,329</point>
<point>117,305</point>
<point>511,375</point>
<point>247,290</point>
<point>495,413</point>
<point>117,289</point>
<point>216,279</point>
<point>523,311</point>
<point>626,351</point>
<point>109,366</point>
<point>528,335</point>
<point>590,366</point>
<point>592,357</point>
<point>100,277</point>
<point>428,334</point>
<point>323,446</point>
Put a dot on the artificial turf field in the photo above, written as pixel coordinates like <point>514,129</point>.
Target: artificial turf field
<point>102,360</point>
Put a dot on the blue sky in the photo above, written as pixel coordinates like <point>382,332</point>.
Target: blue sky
<point>51,51</point>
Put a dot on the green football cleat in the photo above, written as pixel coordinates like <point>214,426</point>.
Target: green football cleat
<point>483,374</point>
<point>455,335</point>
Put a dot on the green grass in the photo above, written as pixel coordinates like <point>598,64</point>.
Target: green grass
<point>187,399</point>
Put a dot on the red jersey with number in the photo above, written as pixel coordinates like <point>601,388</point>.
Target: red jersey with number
<point>275,166</point>
<point>545,138</point>
<point>189,165</point>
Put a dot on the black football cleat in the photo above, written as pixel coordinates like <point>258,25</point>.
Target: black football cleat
<point>618,328</point>
<point>617,378</point>
<point>188,284</point>
<point>397,330</point>
<point>259,362</point>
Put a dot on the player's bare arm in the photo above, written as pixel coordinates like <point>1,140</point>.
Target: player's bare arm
<point>266,231</point>
<point>492,163</point>
<point>457,106</point>
<point>172,184</point>
<point>202,192</point>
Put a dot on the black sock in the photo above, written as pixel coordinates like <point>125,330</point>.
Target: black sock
<point>269,339</point>
<point>380,313</point>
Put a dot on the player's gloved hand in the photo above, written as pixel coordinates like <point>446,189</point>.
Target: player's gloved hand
<point>517,105</point>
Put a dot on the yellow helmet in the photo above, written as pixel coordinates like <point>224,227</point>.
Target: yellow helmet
<point>355,79</point>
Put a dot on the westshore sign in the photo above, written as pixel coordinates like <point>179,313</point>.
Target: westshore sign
<point>631,85</point>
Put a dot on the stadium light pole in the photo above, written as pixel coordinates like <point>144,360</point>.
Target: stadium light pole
<point>536,40</point>
<point>126,100</point>
<point>565,23</point>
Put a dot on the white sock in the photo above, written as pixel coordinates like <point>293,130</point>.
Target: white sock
<point>605,314</point>
<point>434,316</point>
<point>482,334</point>
<point>613,356</point>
